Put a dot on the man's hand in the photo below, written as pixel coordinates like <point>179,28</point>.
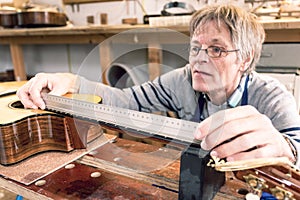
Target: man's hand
<point>242,133</point>
<point>57,83</point>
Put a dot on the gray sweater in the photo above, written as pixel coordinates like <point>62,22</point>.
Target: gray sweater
<point>173,92</point>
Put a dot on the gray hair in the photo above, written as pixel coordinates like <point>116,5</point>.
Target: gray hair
<point>247,34</point>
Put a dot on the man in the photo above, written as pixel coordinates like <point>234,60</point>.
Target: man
<point>242,114</point>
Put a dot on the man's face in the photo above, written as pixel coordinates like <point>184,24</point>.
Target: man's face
<point>214,75</point>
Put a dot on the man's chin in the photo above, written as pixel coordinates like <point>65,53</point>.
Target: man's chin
<point>200,87</point>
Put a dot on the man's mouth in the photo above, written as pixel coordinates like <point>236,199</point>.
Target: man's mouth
<point>201,73</point>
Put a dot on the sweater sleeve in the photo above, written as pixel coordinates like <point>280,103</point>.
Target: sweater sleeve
<point>271,98</point>
<point>170,92</point>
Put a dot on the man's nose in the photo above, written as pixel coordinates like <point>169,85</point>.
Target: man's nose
<point>202,56</point>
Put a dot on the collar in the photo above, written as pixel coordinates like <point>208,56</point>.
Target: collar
<point>236,96</point>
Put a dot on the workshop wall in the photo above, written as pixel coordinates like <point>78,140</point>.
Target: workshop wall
<point>70,58</point>
<point>126,9</point>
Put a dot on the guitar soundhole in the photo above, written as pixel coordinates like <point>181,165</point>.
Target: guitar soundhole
<point>17,104</point>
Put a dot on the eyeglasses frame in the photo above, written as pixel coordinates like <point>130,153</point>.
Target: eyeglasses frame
<point>206,51</point>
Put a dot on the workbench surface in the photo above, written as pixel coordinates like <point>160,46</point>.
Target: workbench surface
<point>123,169</point>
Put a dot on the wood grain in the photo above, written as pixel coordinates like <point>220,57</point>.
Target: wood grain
<point>25,132</point>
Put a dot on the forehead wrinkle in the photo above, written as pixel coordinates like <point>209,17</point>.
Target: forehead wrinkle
<point>219,28</point>
<point>213,40</point>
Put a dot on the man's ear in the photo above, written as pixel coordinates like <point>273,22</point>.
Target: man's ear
<point>247,62</point>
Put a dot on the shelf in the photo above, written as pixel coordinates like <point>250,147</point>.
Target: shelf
<point>86,1</point>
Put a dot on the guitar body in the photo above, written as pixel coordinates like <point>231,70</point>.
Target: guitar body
<point>35,19</point>
<point>32,19</point>
<point>25,132</point>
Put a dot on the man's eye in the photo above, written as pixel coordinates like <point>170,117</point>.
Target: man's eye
<point>216,49</point>
<point>195,49</point>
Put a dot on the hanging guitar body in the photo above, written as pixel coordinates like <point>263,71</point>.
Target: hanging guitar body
<point>41,19</point>
<point>32,19</point>
<point>8,20</point>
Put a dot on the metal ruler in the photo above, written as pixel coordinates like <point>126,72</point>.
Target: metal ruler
<point>124,119</point>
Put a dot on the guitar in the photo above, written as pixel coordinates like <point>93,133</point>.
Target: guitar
<point>276,176</point>
<point>32,19</point>
<point>31,16</point>
<point>25,132</point>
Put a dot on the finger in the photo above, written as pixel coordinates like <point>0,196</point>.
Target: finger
<point>37,85</point>
<point>242,143</point>
<point>262,152</point>
<point>236,128</point>
<point>25,100</point>
<point>220,118</point>
<point>24,96</point>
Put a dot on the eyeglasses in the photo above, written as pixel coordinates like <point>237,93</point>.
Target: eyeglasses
<point>212,51</point>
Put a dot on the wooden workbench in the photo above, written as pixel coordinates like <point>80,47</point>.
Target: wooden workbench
<point>276,30</point>
<point>131,166</point>
<point>115,168</point>
<point>123,169</point>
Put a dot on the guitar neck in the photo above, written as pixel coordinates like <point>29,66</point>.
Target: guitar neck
<point>124,119</point>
